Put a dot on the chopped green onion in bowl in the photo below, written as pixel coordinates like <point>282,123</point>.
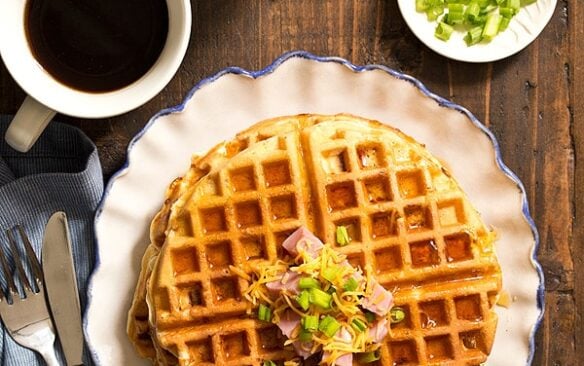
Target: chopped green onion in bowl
<point>482,20</point>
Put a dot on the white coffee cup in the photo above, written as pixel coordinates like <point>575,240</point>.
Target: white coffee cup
<point>47,96</point>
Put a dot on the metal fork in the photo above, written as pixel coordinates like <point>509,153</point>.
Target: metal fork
<point>27,318</point>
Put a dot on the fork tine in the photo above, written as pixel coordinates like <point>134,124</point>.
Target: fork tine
<point>6,270</point>
<point>18,261</point>
<point>36,266</point>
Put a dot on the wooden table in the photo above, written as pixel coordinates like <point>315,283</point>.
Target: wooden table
<point>533,102</point>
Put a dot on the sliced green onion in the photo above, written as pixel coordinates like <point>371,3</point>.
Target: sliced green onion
<point>303,299</point>
<point>396,315</point>
<point>507,12</point>
<point>434,12</point>
<point>329,326</point>
<point>330,273</point>
<point>310,323</point>
<point>493,17</point>
<point>304,336</point>
<point>368,357</point>
<point>489,8</point>
<point>504,24</point>
<point>269,363</point>
<point>308,282</point>
<point>264,313</point>
<point>472,11</point>
<point>351,285</point>
<point>358,325</point>
<point>513,4</point>
<point>491,27</point>
<point>443,31</point>
<point>331,290</point>
<point>421,5</point>
<point>474,36</point>
<point>453,18</point>
<point>320,298</point>
<point>343,237</point>
<point>369,316</point>
<point>479,21</point>
<point>455,8</point>
<point>324,322</point>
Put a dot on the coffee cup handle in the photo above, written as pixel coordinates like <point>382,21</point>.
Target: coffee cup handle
<point>28,124</point>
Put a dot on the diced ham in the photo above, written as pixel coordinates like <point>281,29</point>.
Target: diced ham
<point>358,277</point>
<point>288,322</point>
<point>346,359</point>
<point>380,301</point>
<point>289,283</point>
<point>305,240</point>
<point>379,330</point>
<point>345,335</point>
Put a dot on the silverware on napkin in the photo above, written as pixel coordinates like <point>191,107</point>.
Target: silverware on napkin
<point>26,318</point>
<point>61,287</point>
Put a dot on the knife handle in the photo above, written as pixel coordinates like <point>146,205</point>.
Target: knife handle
<point>48,353</point>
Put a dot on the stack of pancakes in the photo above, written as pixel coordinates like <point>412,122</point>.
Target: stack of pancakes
<point>407,218</point>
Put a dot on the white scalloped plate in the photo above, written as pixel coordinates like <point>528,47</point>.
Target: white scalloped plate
<point>296,83</point>
<point>522,30</point>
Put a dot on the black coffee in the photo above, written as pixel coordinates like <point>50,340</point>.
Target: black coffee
<point>96,45</point>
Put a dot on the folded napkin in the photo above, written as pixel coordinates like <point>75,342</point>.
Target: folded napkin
<point>60,173</point>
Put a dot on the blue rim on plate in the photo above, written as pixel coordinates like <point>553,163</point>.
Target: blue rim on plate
<point>309,56</point>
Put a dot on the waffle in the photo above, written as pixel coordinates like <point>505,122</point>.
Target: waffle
<point>138,327</point>
<point>407,217</point>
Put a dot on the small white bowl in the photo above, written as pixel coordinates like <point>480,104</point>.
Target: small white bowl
<point>522,30</point>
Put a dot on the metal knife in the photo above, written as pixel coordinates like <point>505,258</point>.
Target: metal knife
<point>61,287</point>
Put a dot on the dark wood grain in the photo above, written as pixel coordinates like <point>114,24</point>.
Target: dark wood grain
<point>533,102</point>
<point>530,115</point>
<point>576,109</point>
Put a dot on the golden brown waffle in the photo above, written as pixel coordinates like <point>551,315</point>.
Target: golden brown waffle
<point>221,223</point>
<point>411,222</point>
<point>408,218</point>
<point>138,327</point>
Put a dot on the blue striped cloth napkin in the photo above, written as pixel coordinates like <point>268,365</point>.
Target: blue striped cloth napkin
<point>60,173</point>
